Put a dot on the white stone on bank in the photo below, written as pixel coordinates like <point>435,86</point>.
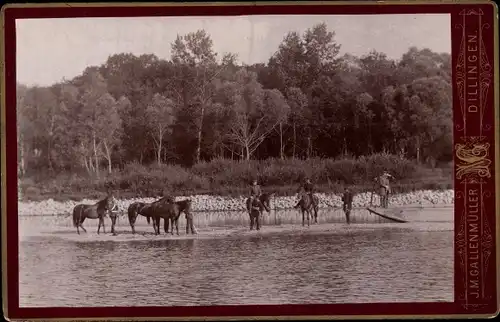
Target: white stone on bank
<point>219,203</point>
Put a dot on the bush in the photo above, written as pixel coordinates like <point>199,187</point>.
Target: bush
<point>228,177</point>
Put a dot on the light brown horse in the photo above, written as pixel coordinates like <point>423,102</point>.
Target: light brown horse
<point>95,211</point>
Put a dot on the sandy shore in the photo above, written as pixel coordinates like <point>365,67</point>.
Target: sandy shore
<point>210,203</point>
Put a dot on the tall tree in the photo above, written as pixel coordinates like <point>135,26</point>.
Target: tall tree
<point>198,68</point>
<point>160,117</point>
<point>255,112</point>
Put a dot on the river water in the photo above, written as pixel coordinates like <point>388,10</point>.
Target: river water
<point>281,264</point>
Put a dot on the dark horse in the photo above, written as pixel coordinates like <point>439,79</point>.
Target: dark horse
<point>314,204</point>
<point>169,210</point>
<point>255,208</point>
<point>308,205</point>
<point>135,209</point>
<point>182,206</point>
<point>95,211</point>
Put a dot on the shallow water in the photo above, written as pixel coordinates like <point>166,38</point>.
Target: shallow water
<point>330,262</point>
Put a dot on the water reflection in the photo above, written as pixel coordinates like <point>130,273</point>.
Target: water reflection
<point>351,265</point>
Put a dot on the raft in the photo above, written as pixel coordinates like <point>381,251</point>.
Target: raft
<point>386,216</point>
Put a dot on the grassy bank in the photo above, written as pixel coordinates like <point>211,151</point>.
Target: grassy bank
<point>232,178</point>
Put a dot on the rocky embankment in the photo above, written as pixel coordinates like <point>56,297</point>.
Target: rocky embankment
<point>424,198</point>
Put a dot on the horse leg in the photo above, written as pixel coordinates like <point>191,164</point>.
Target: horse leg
<point>190,224</point>
<point>132,216</point>
<point>251,222</point>
<point>103,227</point>
<point>81,219</point>
<point>113,223</point>
<point>258,222</point>
<point>80,223</point>
<point>156,225</point>
<point>99,226</point>
<point>166,225</point>
<point>316,207</point>
<point>303,217</point>
<point>173,222</point>
<point>176,226</point>
<point>77,222</point>
<point>193,229</point>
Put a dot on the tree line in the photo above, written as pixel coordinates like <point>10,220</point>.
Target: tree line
<point>306,101</point>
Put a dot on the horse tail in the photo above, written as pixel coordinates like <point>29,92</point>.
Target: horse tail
<point>77,215</point>
<point>75,218</point>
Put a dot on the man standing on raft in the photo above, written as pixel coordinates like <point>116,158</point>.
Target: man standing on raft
<point>384,188</point>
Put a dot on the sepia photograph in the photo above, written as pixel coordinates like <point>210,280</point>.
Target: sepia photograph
<point>235,160</point>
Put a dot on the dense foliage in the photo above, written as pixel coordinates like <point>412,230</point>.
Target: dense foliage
<point>306,102</point>
<point>231,177</point>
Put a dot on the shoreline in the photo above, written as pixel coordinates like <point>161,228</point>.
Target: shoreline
<point>215,203</point>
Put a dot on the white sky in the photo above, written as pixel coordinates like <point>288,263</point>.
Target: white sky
<point>50,49</point>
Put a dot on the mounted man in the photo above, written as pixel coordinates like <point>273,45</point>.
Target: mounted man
<point>384,188</point>
<point>254,199</point>
<point>308,187</point>
<point>255,190</point>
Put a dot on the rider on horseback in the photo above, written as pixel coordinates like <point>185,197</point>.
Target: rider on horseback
<point>255,190</point>
<point>255,193</point>
<point>307,187</point>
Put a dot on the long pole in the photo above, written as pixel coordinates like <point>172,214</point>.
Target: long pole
<point>371,197</point>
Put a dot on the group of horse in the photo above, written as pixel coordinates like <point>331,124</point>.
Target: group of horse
<point>169,210</point>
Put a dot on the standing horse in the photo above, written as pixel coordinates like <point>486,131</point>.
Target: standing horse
<point>306,205</point>
<point>135,209</point>
<point>315,204</point>
<point>95,211</point>
<point>182,206</point>
<point>165,208</point>
<point>256,207</point>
